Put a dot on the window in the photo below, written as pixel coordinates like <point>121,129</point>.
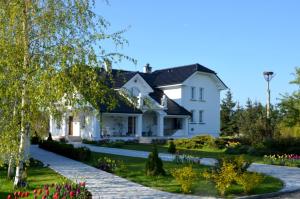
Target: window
<point>201,116</point>
<point>193,93</point>
<point>201,94</point>
<point>82,122</point>
<point>58,124</point>
<point>193,116</point>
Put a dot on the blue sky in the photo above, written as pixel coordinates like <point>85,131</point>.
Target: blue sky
<point>237,39</point>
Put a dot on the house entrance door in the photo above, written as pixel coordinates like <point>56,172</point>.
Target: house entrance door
<point>131,125</point>
<point>70,125</point>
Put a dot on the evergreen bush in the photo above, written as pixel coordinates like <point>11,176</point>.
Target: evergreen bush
<point>154,165</point>
<point>172,147</point>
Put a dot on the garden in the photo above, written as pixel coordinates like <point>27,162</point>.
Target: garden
<point>186,176</point>
<point>42,183</point>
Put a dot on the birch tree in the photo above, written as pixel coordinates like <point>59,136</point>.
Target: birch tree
<point>44,45</point>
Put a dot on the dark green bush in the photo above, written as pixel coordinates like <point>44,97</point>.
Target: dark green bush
<point>171,147</point>
<point>68,150</point>
<point>49,137</point>
<point>154,165</point>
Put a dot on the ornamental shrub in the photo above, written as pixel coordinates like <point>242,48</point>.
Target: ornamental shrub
<point>171,147</point>
<point>196,142</point>
<point>223,176</point>
<point>185,177</point>
<point>249,181</point>
<point>154,165</point>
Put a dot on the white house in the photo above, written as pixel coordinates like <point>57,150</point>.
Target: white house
<point>174,102</point>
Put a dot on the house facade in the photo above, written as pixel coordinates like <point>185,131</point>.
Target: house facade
<point>169,103</point>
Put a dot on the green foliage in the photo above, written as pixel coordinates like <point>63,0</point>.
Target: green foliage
<point>49,51</point>
<point>109,165</point>
<point>185,176</point>
<point>228,124</point>
<point>290,105</point>
<point>249,181</point>
<point>229,171</point>
<point>154,165</point>
<point>223,177</point>
<point>49,139</point>
<point>172,147</point>
<point>68,150</point>
<point>196,142</point>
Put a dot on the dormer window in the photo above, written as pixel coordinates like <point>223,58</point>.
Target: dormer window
<point>193,93</point>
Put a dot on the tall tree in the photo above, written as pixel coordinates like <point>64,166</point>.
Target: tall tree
<point>228,125</point>
<point>44,45</point>
<point>290,106</point>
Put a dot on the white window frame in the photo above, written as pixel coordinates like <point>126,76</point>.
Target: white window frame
<point>193,93</point>
<point>201,94</point>
<point>201,114</point>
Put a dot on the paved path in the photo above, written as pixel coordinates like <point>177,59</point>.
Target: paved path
<point>289,175</point>
<point>101,184</point>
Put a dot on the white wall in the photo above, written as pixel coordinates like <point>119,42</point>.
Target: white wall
<point>174,93</point>
<point>210,105</point>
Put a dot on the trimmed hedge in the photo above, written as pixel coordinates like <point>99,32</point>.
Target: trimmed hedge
<point>68,150</point>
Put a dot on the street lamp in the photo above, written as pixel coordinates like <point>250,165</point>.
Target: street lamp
<point>268,75</point>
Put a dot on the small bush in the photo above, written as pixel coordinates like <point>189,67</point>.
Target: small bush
<point>109,165</point>
<point>185,177</point>
<point>171,147</point>
<point>154,165</point>
<point>49,139</point>
<point>249,181</point>
<point>230,171</point>
<point>223,176</point>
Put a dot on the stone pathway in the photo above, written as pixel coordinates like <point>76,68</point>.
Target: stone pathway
<point>101,184</point>
<point>289,175</point>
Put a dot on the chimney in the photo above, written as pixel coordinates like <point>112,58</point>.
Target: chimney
<point>147,68</point>
<point>107,65</point>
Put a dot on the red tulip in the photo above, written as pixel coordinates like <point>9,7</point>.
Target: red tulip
<point>9,196</point>
<point>72,194</point>
<point>44,197</point>
<point>47,192</point>
<point>35,191</point>
<point>27,194</point>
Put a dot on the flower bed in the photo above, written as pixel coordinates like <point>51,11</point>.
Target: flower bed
<point>283,160</point>
<point>55,191</point>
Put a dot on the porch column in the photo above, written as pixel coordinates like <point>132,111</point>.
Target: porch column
<point>160,124</point>
<point>185,126</point>
<point>64,125</point>
<point>139,125</point>
<point>96,128</point>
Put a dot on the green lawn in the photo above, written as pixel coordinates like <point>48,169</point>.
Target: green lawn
<point>135,172</point>
<point>205,152</point>
<point>37,177</point>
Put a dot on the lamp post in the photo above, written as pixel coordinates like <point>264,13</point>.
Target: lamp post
<point>268,75</point>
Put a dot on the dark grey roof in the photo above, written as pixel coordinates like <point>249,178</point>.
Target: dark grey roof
<point>173,107</point>
<point>176,75</point>
<point>123,106</point>
<point>163,77</point>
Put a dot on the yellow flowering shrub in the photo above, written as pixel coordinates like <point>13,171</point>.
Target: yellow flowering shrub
<point>185,176</point>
